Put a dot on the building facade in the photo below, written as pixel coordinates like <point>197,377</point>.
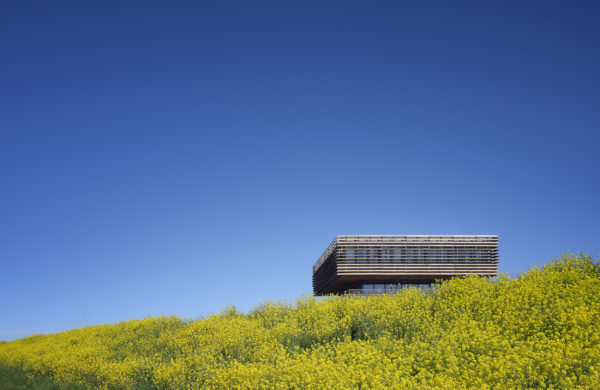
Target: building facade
<point>367,264</point>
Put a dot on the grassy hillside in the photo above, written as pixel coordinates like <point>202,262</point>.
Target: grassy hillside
<point>539,330</point>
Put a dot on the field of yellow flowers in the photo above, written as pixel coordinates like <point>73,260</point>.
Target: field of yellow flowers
<point>538,330</point>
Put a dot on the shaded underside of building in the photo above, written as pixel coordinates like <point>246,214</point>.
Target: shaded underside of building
<point>370,263</point>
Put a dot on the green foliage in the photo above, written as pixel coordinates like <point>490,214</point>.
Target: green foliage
<point>538,330</point>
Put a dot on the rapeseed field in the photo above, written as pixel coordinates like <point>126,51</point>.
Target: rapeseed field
<point>540,330</point>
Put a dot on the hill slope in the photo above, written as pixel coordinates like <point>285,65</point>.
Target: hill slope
<point>539,330</point>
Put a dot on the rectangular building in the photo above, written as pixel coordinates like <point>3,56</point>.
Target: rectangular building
<point>365,264</point>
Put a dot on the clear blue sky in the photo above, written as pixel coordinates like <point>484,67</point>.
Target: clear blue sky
<point>175,158</point>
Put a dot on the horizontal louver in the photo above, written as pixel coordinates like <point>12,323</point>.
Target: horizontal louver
<point>349,257</point>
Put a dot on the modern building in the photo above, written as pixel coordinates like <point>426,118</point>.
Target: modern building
<point>366,264</point>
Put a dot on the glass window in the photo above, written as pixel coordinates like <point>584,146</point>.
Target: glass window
<point>350,255</point>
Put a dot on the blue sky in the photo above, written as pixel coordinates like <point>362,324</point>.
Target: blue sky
<point>176,158</point>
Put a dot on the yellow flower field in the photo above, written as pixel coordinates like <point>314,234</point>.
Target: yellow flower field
<point>538,330</point>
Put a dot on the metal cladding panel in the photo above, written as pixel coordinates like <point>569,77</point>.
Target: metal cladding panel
<point>348,258</point>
